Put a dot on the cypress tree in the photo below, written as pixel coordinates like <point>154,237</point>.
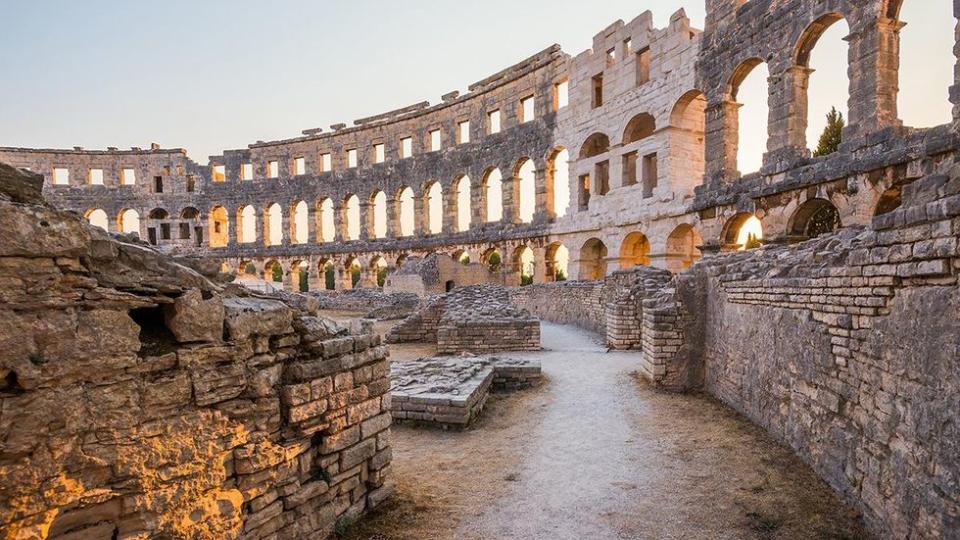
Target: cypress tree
<point>832,134</point>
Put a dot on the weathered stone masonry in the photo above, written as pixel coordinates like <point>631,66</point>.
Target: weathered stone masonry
<point>139,399</point>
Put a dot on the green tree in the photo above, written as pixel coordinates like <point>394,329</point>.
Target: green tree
<point>330,278</point>
<point>832,134</point>
<point>277,273</point>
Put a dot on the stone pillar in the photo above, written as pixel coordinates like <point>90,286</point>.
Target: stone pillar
<point>543,206</point>
<point>393,218</point>
<point>540,266</point>
<point>339,224</point>
<point>874,63</point>
<point>478,204</point>
<point>366,220</point>
<point>788,112</point>
<point>449,209</point>
<point>511,186</point>
<point>722,125</point>
<point>421,227</point>
<point>288,283</point>
<point>313,227</point>
<point>315,277</point>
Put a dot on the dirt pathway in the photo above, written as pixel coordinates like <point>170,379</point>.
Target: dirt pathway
<point>596,454</point>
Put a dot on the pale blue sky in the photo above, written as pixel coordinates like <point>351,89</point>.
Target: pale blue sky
<point>221,74</point>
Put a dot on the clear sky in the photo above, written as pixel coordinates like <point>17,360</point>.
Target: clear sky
<point>221,74</point>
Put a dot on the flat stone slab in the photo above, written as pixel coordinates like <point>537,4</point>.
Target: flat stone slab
<point>450,392</point>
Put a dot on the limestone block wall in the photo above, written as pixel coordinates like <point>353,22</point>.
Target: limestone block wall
<point>846,348</point>
<point>141,400</point>
<point>484,336</point>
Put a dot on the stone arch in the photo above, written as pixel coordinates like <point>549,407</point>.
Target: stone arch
<point>299,276</point>
<point>748,151</point>
<point>379,269</point>
<point>923,89</point>
<point>689,112</point>
<point>405,211</point>
<point>595,145</point>
<point>273,225</point>
<point>128,221</point>
<point>492,189</point>
<point>807,86</point>
<point>462,195</point>
<point>462,256</point>
<point>350,212</point>
<point>814,218</point>
<point>593,260</point>
<point>299,223</point>
<point>682,249</point>
<point>639,127</point>
<point>433,208</point>
<point>246,224</point>
<point>327,272</point>
<point>523,264</point>
<point>890,200</point>
<point>378,214</point>
<point>219,227</point>
<point>557,262</point>
<point>96,217</point>
<point>493,259</point>
<point>742,231</point>
<point>190,212</point>
<point>525,205</point>
<point>326,221</point>
<point>352,274</point>
<point>273,270</point>
<point>634,251</point>
<point>688,122</point>
<point>158,213</point>
<point>558,182</point>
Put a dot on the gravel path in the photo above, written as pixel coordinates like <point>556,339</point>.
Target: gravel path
<point>596,454</point>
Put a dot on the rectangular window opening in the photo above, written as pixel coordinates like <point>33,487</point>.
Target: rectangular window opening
<point>61,176</point>
<point>246,171</point>
<point>649,175</point>
<point>184,231</point>
<point>299,166</point>
<point>584,197</point>
<point>643,66</point>
<point>379,153</point>
<point>463,132</point>
<point>352,158</point>
<point>629,169</point>
<point>96,177</point>
<point>493,122</point>
<point>326,163</point>
<point>158,184</point>
<point>527,109</point>
<point>406,147</point>
<point>128,177</point>
<point>611,56</point>
<point>273,169</point>
<point>561,95</point>
<point>164,231</point>
<point>603,177</point>
<point>191,183</point>
<point>597,100</point>
<point>435,144</point>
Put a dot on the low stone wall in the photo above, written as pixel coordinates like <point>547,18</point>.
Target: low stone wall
<point>141,400</point>
<point>847,348</point>
<point>488,336</point>
<point>570,302</point>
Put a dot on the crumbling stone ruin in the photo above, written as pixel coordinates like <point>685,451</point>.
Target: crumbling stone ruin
<point>477,319</point>
<point>608,182</point>
<point>142,400</point>
<point>450,392</point>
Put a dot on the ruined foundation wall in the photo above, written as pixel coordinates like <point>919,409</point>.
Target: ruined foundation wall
<point>139,399</point>
<point>847,349</point>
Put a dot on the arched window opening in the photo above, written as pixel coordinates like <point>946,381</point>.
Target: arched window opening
<point>742,232</point>
<point>247,225</point>
<point>526,191</point>
<point>355,271</point>
<point>273,225</point>
<point>300,276</point>
<point>558,182</point>
<point>927,61</point>
<point>329,272</point>
<point>558,262</point>
<point>596,144</point>
<point>379,267</point>
<point>352,217</point>
<point>462,257</point>
<point>379,203</point>
<point>435,208</point>
<point>688,120</point>
<point>325,221</point>
<point>890,200</point>
<point>593,260</point>
<point>682,248</point>
<point>299,224</point>
<point>640,127</point>
<point>97,218</point>
<point>463,204</point>
<point>189,213</point>
<point>158,213</point>
<point>493,260</point>
<point>635,251</point>
<point>129,222</point>
<point>814,218</point>
<point>219,227</point>
<point>526,265</point>
<point>406,211</point>
<point>273,272</point>
<point>493,193</point>
<point>749,89</point>
<point>823,49</point>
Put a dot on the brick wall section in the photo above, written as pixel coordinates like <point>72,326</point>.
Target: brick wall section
<point>811,342</point>
<point>141,400</point>
<point>479,336</point>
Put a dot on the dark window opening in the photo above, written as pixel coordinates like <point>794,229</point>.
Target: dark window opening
<point>184,231</point>
<point>158,184</point>
<point>643,66</point>
<point>584,198</point>
<point>191,184</point>
<point>450,285</point>
<point>198,236</point>
<point>164,231</point>
<point>649,174</point>
<point>630,169</point>
<point>152,235</point>
<point>603,177</point>
<point>598,91</point>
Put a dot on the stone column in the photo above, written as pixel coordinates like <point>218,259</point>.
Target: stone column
<point>366,220</point>
<point>874,63</point>
<point>540,266</point>
<point>722,125</point>
<point>315,278</point>
<point>478,204</point>
<point>420,224</point>
<point>510,187</point>
<point>288,283</point>
<point>449,209</point>
<point>788,112</point>
<point>393,218</point>
<point>543,206</point>
<point>313,231</point>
